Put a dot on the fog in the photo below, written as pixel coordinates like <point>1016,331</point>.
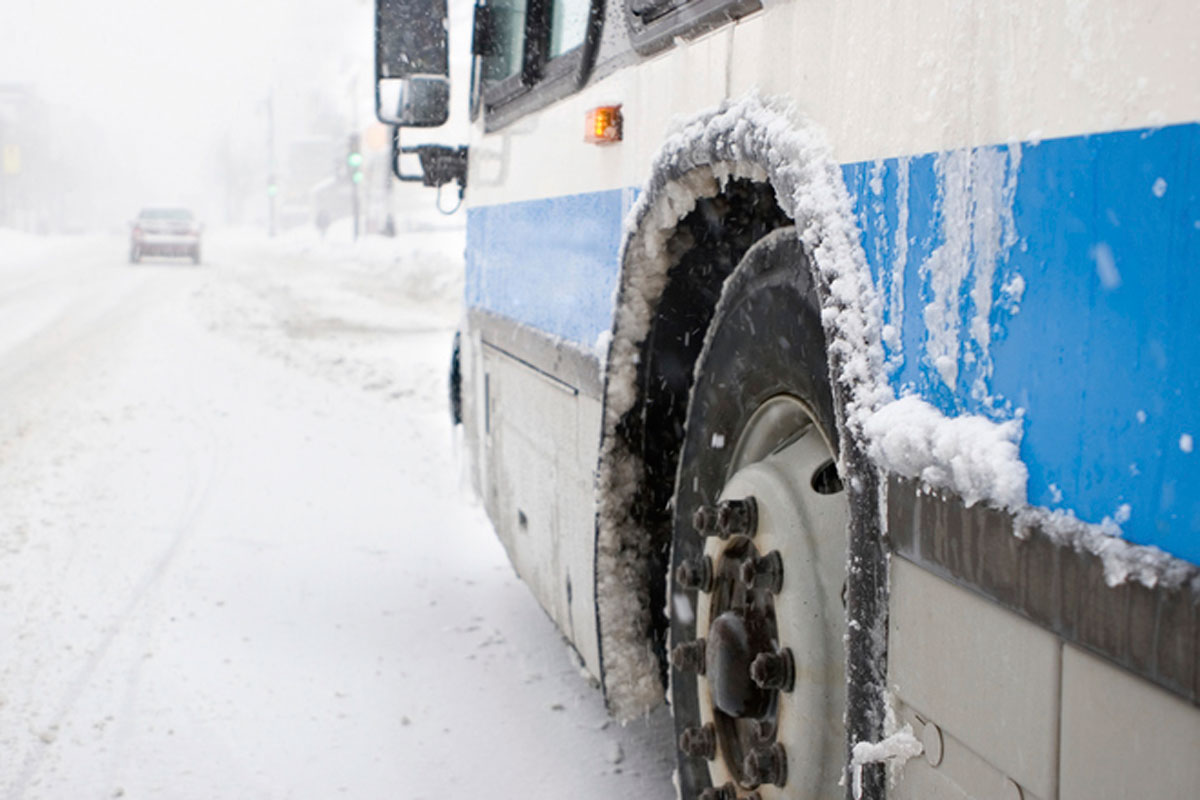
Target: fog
<point>109,107</point>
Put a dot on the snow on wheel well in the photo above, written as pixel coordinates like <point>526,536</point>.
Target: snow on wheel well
<point>721,182</point>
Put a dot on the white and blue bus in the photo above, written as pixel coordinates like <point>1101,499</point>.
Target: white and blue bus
<point>830,371</point>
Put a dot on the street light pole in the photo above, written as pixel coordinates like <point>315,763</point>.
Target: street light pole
<point>272,186</point>
<point>354,163</point>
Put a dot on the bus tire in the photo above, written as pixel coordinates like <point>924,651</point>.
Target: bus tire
<point>756,593</point>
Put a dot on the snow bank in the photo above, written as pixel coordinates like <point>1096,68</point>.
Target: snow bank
<point>418,267</point>
<point>342,310</point>
<point>428,266</point>
<point>17,247</point>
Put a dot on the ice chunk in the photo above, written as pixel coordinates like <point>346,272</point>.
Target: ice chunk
<point>1106,266</point>
<point>894,750</point>
<point>971,455</point>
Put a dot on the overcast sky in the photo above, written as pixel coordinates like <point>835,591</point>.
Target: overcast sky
<point>163,84</point>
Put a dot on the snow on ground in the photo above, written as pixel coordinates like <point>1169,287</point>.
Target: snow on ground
<point>237,555</point>
<point>18,247</point>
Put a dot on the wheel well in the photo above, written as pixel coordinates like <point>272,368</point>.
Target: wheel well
<point>793,175</point>
<point>704,247</point>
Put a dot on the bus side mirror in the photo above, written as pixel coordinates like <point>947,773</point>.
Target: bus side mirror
<point>412,72</point>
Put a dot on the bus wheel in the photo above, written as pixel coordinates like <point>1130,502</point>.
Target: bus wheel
<point>759,546</point>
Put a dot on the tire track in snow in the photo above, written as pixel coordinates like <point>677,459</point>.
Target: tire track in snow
<point>213,465</point>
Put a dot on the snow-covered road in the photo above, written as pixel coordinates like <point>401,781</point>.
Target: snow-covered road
<point>238,558</point>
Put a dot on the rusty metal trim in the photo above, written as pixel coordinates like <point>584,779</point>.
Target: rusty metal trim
<point>1153,632</point>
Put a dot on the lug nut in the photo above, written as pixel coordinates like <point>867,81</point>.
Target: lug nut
<point>726,792</point>
<point>766,765</point>
<point>763,731</point>
<point>695,573</point>
<point>689,657</point>
<point>764,573</point>
<point>699,742</point>
<point>774,671</point>
<point>704,520</point>
<point>737,517</point>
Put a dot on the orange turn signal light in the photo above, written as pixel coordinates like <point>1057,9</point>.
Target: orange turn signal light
<point>604,125</point>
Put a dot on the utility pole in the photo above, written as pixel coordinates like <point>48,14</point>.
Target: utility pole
<point>355,156</point>
<point>10,150</point>
<point>272,185</point>
<point>4,175</point>
<point>354,162</point>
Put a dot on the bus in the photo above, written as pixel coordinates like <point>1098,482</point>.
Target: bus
<point>829,371</point>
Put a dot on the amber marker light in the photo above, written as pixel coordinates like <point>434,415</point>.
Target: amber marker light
<point>603,125</point>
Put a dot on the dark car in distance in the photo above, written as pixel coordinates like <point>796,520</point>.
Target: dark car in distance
<point>165,232</point>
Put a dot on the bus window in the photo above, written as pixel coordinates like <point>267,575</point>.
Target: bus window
<point>507,18</point>
<point>657,24</point>
<point>568,25</point>
<point>533,53</point>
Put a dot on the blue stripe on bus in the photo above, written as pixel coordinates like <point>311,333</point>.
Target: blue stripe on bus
<point>549,264</point>
<point>1100,352</point>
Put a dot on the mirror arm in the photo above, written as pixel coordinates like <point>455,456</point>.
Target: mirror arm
<point>396,151</point>
<point>439,164</point>
<point>378,107</point>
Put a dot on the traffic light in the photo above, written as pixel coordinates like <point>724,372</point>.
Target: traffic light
<point>354,158</point>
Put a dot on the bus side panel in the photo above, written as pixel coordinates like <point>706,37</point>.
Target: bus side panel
<point>539,497</point>
<point>539,287</point>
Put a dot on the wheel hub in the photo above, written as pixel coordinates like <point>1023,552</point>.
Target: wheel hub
<point>769,616</point>
<point>735,640</point>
